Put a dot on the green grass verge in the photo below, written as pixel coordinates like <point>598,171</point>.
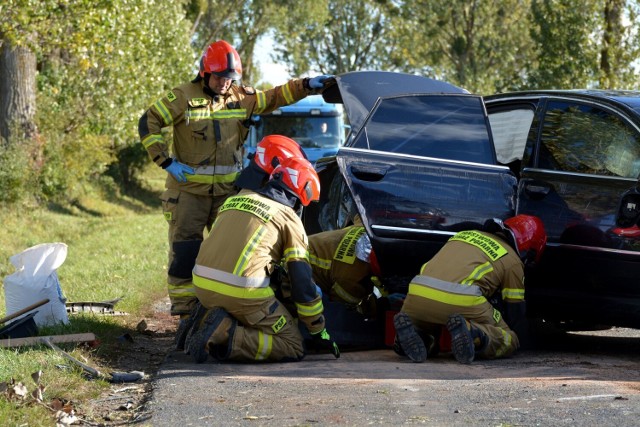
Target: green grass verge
<point>117,247</point>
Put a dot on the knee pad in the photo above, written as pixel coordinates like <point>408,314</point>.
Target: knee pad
<point>185,253</point>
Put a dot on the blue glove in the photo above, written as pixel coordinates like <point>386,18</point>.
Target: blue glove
<point>318,81</point>
<point>178,170</point>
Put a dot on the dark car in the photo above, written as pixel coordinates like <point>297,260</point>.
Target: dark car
<point>426,159</point>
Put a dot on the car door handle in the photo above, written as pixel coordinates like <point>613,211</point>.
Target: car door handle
<point>537,190</point>
<point>369,173</point>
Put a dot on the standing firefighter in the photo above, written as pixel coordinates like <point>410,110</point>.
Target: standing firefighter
<point>254,232</point>
<point>453,289</point>
<point>210,119</point>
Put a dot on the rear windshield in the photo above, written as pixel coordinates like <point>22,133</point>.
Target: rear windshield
<point>452,127</point>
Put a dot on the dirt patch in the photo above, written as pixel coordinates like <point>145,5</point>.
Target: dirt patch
<point>143,350</point>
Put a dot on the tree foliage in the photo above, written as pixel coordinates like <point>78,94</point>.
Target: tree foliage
<point>337,36</point>
<point>101,63</point>
<point>481,46</point>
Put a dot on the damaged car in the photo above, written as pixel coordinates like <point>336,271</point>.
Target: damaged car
<point>426,159</point>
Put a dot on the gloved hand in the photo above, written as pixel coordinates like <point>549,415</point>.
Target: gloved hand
<point>178,170</point>
<point>322,341</point>
<point>318,81</point>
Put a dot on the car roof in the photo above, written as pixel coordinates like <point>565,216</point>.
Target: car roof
<point>359,90</point>
<point>626,98</point>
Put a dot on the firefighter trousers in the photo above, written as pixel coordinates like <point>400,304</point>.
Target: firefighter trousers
<point>188,216</point>
<point>266,330</point>
<point>428,316</point>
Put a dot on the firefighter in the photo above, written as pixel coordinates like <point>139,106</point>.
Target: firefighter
<point>254,232</point>
<point>342,267</point>
<point>269,152</point>
<point>210,117</point>
<point>453,289</point>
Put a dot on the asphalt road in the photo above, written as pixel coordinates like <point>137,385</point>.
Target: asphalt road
<point>586,379</point>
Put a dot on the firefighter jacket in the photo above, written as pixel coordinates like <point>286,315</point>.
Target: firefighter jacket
<point>469,269</point>
<point>251,235</point>
<point>209,130</point>
<point>336,269</point>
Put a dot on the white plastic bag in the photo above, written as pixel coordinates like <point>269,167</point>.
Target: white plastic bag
<point>36,279</point>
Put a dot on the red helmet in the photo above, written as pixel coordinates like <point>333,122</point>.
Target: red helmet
<point>300,177</point>
<point>273,149</point>
<point>221,59</point>
<point>529,235</point>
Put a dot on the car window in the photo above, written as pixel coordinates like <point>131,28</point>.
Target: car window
<point>510,130</point>
<point>450,127</point>
<point>586,139</point>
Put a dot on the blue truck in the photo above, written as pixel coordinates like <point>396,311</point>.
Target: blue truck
<point>319,127</point>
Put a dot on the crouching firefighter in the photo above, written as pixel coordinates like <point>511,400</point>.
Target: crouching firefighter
<point>453,289</point>
<point>255,231</point>
<point>270,151</point>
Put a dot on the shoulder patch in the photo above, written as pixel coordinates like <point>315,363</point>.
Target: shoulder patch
<point>249,90</point>
<point>171,96</point>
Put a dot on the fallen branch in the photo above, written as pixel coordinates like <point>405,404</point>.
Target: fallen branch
<point>18,342</point>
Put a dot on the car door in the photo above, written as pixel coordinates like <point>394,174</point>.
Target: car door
<point>421,168</point>
<point>580,157</point>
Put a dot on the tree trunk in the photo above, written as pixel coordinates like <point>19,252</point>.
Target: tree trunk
<point>17,93</point>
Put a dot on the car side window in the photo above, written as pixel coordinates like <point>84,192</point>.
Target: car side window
<point>452,127</point>
<point>586,139</point>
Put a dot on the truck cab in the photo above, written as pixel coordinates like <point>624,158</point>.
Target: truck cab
<point>316,125</point>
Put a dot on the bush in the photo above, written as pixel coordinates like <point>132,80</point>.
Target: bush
<point>17,172</point>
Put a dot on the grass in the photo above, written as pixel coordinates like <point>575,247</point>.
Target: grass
<point>116,248</point>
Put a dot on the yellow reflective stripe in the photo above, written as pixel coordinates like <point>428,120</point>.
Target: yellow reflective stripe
<point>322,263</point>
<point>295,253</point>
<point>184,290</point>
<point>240,113</point>
<point>248,250</point>
<point>216,170</point>
<point>212,179</point>
<point>513,294</point>
<point>346,250</point>
<point>286,92</point>
<point>346,296</point>
<point>492,249</point>
<point>265,344</point>
<point>199,114</point>
<point>261,102</point>
<point>446,297</point>
<point>310,310</point>
<point>230,278</point>
<point>151,139</point>
<point>478,273</point>
<point>164,112</point>
<point>232,291</point>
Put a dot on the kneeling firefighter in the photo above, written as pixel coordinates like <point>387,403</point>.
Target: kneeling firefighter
<point>254,232</point>
<point>453,289</point>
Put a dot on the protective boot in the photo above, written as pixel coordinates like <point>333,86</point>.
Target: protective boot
<point>186,324</point>
<point>409,341</point>
<point>214,330</point>
<point>466,339</point>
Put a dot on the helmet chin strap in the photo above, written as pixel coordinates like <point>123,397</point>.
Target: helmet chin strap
<point>208,90</point>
